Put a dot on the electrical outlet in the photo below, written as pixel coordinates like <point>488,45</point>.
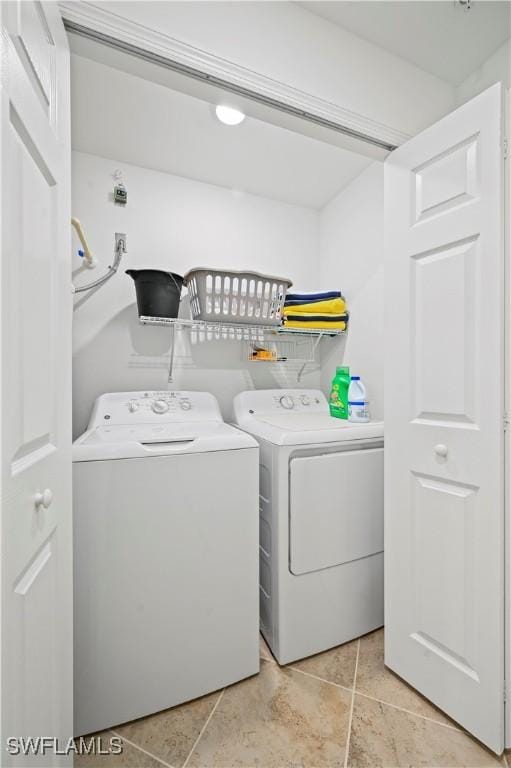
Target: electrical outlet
<point>120,239</point>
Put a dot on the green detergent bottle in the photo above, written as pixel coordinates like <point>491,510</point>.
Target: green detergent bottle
<point>339,393</point>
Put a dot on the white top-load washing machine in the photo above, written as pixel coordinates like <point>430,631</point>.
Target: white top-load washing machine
<point>321,521</point>
<point>165,555</point>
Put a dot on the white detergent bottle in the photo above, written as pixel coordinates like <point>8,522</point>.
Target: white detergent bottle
<point>358,405</point>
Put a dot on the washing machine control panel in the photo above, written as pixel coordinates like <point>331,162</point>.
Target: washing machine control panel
<point>154,407</point>
<point>267,401</point>
<point>160,403</point>
<point>298,401</point>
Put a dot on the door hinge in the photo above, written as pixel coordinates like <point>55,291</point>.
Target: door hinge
<point>506,148</point>
<point>507,421</point>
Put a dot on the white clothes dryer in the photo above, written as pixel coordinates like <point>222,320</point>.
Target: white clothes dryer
<point>321,521</point>
<point>165,555</point>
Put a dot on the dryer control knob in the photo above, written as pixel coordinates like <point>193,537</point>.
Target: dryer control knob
<point>305,400</point>
<point>185,405</point>
<point>132,406</point>
<point>287,402</point>
<point>160,406</point>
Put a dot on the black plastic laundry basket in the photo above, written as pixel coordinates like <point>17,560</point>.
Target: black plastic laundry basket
<point>158,292</point>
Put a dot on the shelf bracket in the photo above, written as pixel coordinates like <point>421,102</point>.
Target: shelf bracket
<point>314,348</point>
<point>172,350</point>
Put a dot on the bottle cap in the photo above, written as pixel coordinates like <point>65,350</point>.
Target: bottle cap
<point>355,378</point>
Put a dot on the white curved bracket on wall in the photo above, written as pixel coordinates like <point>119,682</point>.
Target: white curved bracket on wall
<point>88,259</point>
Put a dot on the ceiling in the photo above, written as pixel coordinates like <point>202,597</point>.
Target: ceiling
<point>130,119</point>
<point>439,36</point>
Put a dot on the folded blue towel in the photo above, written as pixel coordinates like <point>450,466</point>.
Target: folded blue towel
<point>309,318</point>
<point>306,298</point>
<point>299,302</point>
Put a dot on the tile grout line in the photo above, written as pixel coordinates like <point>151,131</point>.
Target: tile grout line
<point>350,721</point>
<point>141,749</point>
<point>459,729</point>
<point>321,679</point>
<point>380,701</point>
<point>409,712</point>
<point>373,698</point>
<point>203,729</point>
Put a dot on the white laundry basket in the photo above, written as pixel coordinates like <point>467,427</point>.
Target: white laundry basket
<point>236,297</point>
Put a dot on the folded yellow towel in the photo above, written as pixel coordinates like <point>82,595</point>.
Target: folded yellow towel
<point>328,307</point>
<point>333,326</point>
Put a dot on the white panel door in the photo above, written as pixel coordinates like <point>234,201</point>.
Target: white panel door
<point>444,433</point>
<point>35,356</point>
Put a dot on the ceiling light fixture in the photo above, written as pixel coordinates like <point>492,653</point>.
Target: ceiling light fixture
<point>229,115</point>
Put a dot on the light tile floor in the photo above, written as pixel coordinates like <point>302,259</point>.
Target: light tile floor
<point>340,708</point>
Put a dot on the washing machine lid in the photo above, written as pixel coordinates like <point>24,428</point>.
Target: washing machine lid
<point>125,441</point>
<point>306,422</point>
<point>317,428</point>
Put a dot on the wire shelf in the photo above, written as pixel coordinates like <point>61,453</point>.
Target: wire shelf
<point>301,343</point>
<point>240,331</point>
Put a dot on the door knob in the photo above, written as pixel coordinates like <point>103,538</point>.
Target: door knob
<point>43,499</point>
<point>441,450</point>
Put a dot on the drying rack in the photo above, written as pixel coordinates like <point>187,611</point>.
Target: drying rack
<point>305,346</point>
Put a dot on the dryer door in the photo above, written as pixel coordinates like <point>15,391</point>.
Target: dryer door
<point>336,508</point>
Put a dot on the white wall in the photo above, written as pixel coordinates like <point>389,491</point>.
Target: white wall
<point>496,67</point>
<point>175,223</point>
<point>183,137</point>
<point>287,43</point>
<point>351,253</point>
